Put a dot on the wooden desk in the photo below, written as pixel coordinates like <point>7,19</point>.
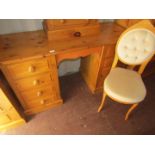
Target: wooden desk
<point>29,62</point>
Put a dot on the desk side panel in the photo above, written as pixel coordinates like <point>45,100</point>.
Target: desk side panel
<point>90,67</point>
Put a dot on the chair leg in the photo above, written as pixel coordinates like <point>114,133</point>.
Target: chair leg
<point>130,110</point>
<point>102,102</point>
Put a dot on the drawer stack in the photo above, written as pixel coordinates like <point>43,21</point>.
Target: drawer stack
<point>64,29</point>
<point>35,82</point>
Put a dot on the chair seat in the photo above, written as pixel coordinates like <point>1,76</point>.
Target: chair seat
<point>125,86</point>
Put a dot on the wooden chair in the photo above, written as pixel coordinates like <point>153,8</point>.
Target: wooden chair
<point>136,46</point>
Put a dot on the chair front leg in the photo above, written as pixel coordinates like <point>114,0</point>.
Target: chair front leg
<point>102,102</point>
<point>130,110</point>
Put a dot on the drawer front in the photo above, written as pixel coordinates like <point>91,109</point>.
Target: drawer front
<point>28,68</point>
<point>42,102</point>
<point>46,91</point>
<point>72,33</point>
<point>52,23</point>
<point>34,82</point>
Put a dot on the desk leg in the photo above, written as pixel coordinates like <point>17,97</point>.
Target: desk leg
<point>89,69</point>
<point>55,78</point>
<point>95,68</point>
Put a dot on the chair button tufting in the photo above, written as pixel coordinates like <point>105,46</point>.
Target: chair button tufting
<point>125,47</point>
<point>144,41</point>
<point>134,39</point>
<point>126,56</point>
<point>136,57</point>
<point>135,48</point>
<point>145,51</point>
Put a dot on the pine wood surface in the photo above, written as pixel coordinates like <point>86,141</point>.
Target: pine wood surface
<point>28,44</point>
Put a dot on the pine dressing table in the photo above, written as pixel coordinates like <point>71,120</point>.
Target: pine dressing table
<point>29,63</point>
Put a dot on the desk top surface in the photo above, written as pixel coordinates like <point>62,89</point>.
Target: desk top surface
<point>27,44</point>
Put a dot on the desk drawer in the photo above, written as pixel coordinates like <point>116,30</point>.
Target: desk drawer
<point>34,82</point>
<point>74,32</point>
<point>28,68</point>
<point>45,91</point>
<point>42,102</point>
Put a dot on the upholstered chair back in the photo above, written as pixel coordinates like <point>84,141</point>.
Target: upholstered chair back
<point>137,44</point>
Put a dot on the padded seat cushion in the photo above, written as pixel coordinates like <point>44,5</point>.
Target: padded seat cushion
<point>125,85</point>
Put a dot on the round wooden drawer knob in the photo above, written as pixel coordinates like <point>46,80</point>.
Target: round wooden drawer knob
<point>35,82</point>
<point>77,34</point>
<point>62,21</point>
<point>39,93</point>
<point>31,69</point>
<point>42,101</point>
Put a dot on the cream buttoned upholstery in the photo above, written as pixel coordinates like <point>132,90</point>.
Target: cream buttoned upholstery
<point>125,86</point>
<point>136,46</point>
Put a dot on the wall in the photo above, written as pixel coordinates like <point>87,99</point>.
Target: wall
<point>21,25</point>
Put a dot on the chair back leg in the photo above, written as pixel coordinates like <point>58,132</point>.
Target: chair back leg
<point>130,110</point>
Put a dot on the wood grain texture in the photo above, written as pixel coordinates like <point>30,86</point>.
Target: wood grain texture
<point>28,68</point>
<point>73,33</point>
<point>15,47</point>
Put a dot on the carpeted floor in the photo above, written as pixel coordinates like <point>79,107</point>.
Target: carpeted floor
<point>78,114</point>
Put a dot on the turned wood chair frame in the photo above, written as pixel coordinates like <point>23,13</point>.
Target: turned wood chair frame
<point>146,24</point>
